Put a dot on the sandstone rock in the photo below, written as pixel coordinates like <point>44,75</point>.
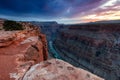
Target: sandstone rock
<point>6,38</point>
<point>55,69</point>
<point>19,50</point>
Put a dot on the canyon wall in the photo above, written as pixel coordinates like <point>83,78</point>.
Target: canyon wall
<point>19,50</point>
<point>94,47</point>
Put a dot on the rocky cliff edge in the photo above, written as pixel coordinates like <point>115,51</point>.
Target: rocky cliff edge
<point>19,50</point>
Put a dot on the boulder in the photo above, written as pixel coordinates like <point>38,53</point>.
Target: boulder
<point>55,69</point>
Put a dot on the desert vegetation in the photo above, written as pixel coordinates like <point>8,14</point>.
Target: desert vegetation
<point>12,25</point>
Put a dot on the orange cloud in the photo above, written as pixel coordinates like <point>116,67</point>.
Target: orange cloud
<point>108,11</point>
<point>108,15</point>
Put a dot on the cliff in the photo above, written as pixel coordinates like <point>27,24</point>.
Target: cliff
<point>94,47</point>
<point>19,50</point>
<point>22,53</point>
<point>55,69</point>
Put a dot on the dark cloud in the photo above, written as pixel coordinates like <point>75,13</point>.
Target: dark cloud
<point>46,8</point>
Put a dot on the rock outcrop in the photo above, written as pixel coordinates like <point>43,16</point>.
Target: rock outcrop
<point>55,69</point>
<point>19,50</point>
<point>94,47</point>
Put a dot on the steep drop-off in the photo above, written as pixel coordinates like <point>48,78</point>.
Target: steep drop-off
<point>22,56</point>
<point>94,47</point>
<point>48,28</point>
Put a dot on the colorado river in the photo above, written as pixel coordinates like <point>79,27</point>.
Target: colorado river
<point>52,50</point>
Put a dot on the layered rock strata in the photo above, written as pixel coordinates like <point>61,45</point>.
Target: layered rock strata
<point>19,50</point>
<point>94,47</point>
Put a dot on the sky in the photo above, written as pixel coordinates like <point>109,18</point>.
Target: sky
<point>62,11</point>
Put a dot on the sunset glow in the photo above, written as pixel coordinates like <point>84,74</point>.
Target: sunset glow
<point>62,11</point>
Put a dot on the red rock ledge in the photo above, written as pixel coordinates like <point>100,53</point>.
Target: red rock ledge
<point>19,50</point>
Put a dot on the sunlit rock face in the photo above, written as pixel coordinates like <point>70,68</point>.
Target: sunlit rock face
<point>94,47</point>
<point>55,69</point>
<point>19,50</point>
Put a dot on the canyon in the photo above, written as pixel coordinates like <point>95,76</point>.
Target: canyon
<point>94,47</point>
<point>50,28</point>
<point>24,56</point>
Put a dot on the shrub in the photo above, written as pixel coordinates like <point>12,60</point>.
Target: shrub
<point>12,25</point>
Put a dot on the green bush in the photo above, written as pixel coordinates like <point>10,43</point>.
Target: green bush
<point>12,25</point>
